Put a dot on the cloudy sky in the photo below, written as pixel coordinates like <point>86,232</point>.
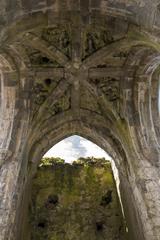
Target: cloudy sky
<point>74,147</point>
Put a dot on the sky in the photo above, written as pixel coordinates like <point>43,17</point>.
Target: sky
<point>74,147</point>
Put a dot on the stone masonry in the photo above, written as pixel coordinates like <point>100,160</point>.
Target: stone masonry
<point>85,67</point>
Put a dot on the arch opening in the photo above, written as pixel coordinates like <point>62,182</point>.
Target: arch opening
<point>77,150</point>
<point>74,147</point>
<point>77,147</point>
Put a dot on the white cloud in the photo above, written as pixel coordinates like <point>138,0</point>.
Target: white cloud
<point>74,147</point>
<point>64,150</point>
<point>92,150</point>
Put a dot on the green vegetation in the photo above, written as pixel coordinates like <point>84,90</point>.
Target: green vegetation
<point>50,161</point>
<point>92,161</point>
<point>80,161</point>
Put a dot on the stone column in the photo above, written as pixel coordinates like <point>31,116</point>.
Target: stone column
<point>13,129</point>
<point>141,201</point>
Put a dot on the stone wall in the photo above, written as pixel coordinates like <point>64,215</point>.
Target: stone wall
<point>76,201</point>
<point>89,68</point>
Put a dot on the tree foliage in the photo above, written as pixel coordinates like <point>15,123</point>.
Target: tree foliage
<point>51,161</point>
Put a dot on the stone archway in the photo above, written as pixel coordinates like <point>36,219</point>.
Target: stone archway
<point>68,129</point>
<point>76,70</point>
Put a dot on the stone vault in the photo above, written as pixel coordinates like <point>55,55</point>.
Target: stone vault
<point>81,67</point>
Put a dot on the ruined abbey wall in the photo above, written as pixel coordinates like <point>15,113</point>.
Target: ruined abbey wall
<point>75,202</point>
